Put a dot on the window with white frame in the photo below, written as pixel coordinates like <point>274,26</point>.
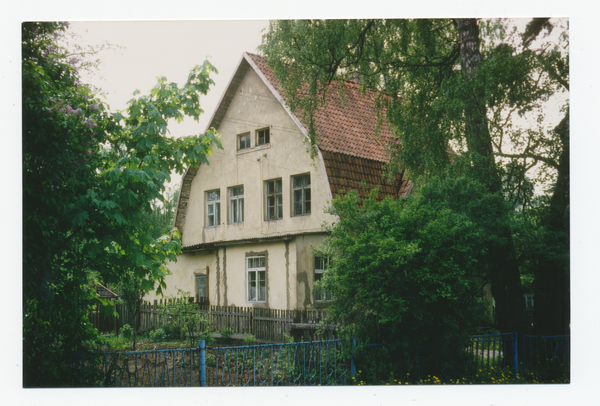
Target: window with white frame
<point>320,294</point>
<point>263,136</point>
<point>529,304</point>
<point>213,208</point>
<point>236,204</point>
<point>256,275</point>
<point>274,199</point>
<point>244,141</point>
<point>301,195</point>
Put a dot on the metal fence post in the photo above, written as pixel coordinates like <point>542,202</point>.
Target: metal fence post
<point>202,346</point>
<point>352,365</point>
<point>515,353</point>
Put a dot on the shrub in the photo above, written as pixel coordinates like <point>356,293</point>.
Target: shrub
<point>226,334</point>
<point>249,339</point>
<point>127,331</point>
<point>157,335</point>
<point>172,331</point>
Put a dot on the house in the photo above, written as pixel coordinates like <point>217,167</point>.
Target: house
<point>250,219</point>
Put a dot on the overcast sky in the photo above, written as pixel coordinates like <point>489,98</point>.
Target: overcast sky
<point>172,51</point>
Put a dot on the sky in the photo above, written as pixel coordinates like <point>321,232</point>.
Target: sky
<point>177,46</point>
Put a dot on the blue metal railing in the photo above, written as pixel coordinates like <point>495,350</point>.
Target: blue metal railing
<point>158,368</point>
<point>318,362</point>
<point>493,350</point>
<point>447,358</point>
<point>287,364</point>
<point>549,353</point>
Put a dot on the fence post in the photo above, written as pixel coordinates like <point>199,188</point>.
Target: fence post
<point>515,353</point>
<point>352,365</point>
<point>202,346</point>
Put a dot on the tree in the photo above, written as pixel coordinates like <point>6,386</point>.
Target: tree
<point>160,216</point>
<point>408,272</point>
<point>88,176</point>
<point>445,85</point>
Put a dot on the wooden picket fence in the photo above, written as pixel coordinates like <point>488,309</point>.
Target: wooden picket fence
<point>267,325</point>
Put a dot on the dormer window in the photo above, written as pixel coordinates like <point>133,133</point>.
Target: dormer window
<point>263,136</point>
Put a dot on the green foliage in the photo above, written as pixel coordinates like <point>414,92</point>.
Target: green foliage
<point>183,312</point>
<point>172,331</point>
<point>127,331</point>
<point>412,268</point>
<point>158,335</point>
<point>249,339</point>
<point>89,175</point>
<point>473,87</point>
<point>226,334</point>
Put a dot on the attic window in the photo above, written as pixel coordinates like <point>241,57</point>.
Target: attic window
<point>263,136</point>
<point>244,141</point>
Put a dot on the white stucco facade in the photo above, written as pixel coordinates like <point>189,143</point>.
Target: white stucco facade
<point>220,252</point>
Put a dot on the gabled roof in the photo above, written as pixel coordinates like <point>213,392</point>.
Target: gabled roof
<point>351,135</point>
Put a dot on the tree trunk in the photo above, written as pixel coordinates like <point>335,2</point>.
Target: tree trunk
<point>552,276</point>
<point>503,267</point>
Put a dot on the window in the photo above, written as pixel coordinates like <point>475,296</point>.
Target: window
<point>529,304</point>
<point>263,136</point>
<point>274,203</point>
<point>201,291</point>
<point>213,208</point>
<point>257,283</point>
<point>244,141</point>
<point>320,264</point>
<point>236,204</point>
<point>301,195</point>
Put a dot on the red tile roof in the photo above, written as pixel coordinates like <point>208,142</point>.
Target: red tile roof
<point>352,135</point>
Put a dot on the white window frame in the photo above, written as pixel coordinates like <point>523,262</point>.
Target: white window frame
<point>303,191</point>
<point>276,206</point>
<point>320,263</point>
<point>213,208</point>
<point>268,136</point>
<point>256,274</point>
<point>236,204</point>
<point>246,138</point>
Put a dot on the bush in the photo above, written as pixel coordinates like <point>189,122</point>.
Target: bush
<point>172,331</point>
<point>226,334</point>
<point>249,339</point>
<point>127,331</point>
<point>157,335</point>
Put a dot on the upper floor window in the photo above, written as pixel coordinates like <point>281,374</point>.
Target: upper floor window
<point>301,194</point>
<point>236,204</point>
<point>320,264</point>
<point>263,136</point>
<point>244,141</point>
<point>213,208</point>
<point>256,271</point>
<point>274,199</point>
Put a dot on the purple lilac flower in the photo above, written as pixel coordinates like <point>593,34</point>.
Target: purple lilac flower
<point>90,124</point>
<point>73,61</point>
<point>93,107</point>
<point>69,108</point>
<point>76,112</point>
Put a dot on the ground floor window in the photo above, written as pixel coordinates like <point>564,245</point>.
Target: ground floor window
<point>257,278</point>
<point>320,294</point>
<point>201,288</point>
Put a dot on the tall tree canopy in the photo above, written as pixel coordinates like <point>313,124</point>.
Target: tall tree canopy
<point>456,93</point>
<point>89,177</point>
